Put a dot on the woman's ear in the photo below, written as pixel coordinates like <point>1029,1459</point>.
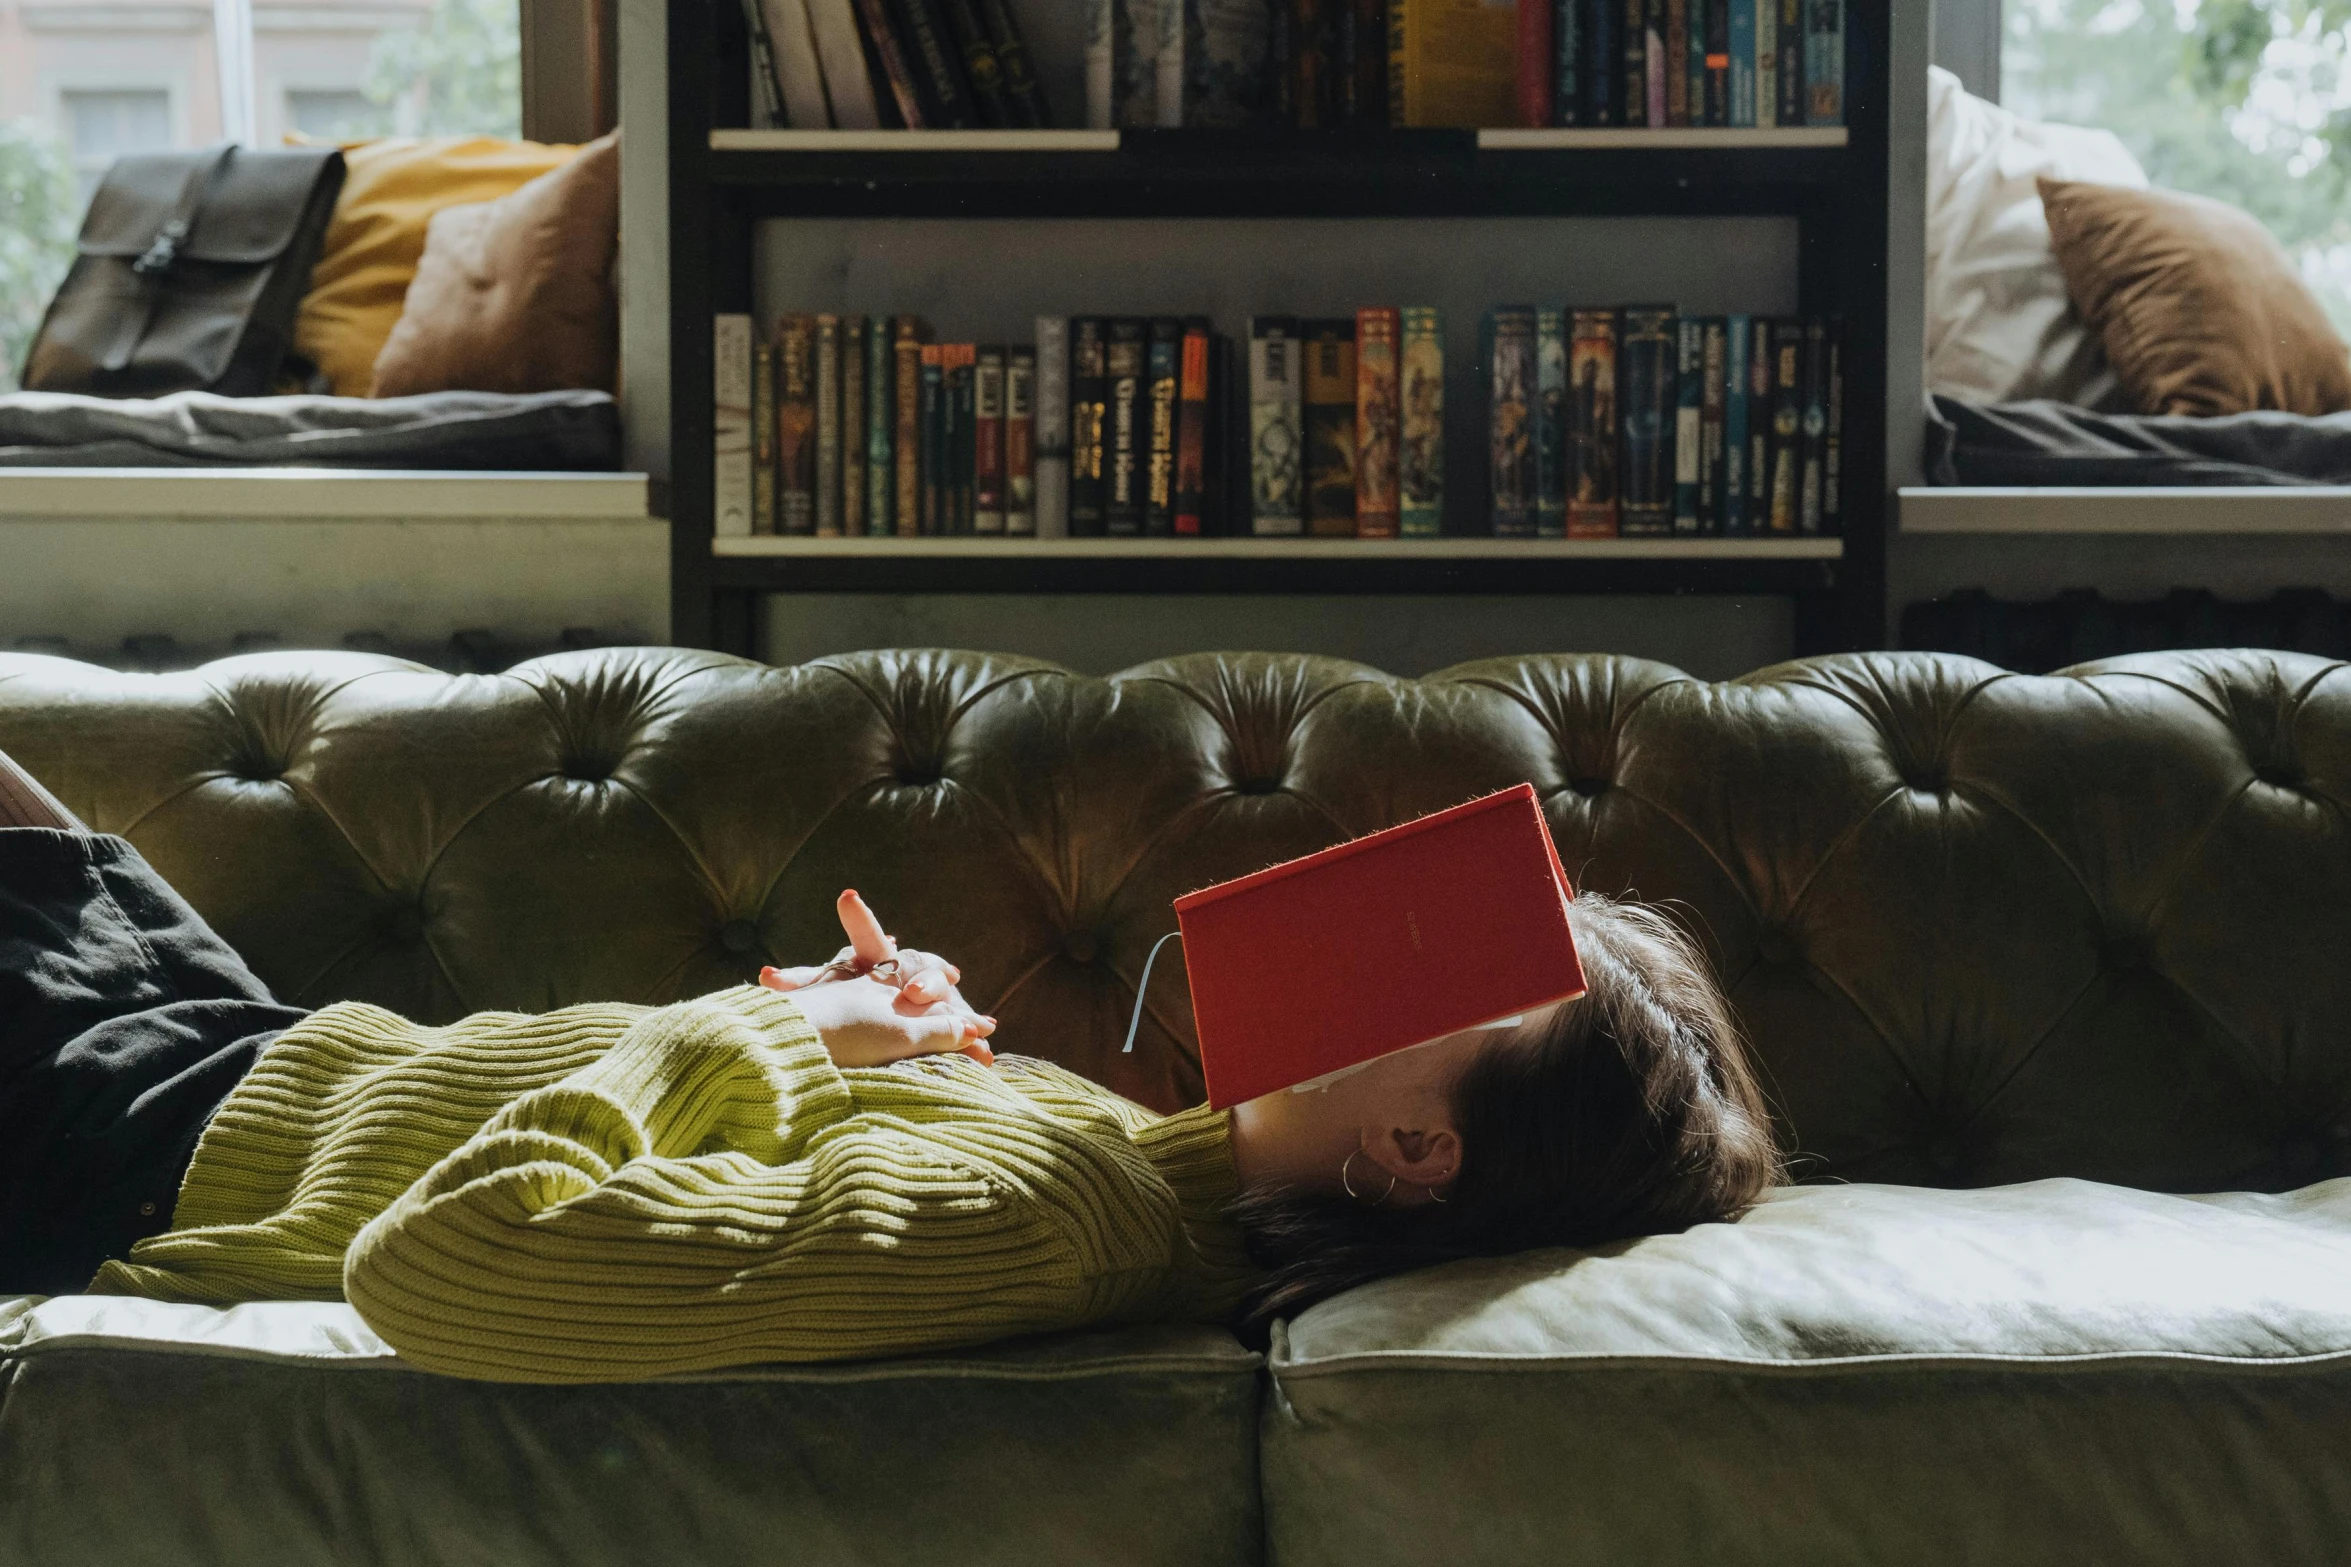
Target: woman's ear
<point>1424,1157</point>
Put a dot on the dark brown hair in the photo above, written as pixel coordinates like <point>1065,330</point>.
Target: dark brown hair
<point>1631,1111</point>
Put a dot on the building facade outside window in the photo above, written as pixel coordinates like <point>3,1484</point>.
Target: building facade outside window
<point>83,82</point>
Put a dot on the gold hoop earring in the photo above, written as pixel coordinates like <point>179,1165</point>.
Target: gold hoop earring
<point>1348,1186</point>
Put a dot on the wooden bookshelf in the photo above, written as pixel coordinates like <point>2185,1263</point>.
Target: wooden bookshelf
<point>724,179</point>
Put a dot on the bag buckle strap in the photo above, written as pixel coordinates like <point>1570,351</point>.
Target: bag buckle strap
<point>165,249</point>
<point>161,254</point>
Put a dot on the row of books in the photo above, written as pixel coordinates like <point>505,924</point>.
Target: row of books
<point>1663,63</point>
<point>892,64</point>
<point>1640,421</point>
<point>1598,422</point>
<point>959,64</point>
<point>1347,63</point>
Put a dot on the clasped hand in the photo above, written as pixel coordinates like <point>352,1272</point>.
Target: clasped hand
<point>877,1002</point>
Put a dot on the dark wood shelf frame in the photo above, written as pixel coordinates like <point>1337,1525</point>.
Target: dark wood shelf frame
<point>1837,194</point>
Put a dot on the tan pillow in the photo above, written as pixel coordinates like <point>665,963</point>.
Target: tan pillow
<point>515,295</point>
<point>391,189</point>
<point>2199,309</point>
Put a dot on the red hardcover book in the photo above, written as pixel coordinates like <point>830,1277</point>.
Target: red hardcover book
<point>1535,65</point>
<point>1454,921</point>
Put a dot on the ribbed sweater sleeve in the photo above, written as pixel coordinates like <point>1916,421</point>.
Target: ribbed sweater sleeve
<point>713,1192</point>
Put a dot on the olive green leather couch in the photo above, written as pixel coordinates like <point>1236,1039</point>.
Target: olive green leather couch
<point>2051,979</point>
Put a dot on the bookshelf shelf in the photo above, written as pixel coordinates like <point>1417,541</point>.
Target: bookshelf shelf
<point>1802,567</point>
<point>1209,173</point>
<point>722,180</point>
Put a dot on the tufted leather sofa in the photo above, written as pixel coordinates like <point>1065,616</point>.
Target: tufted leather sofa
<point>2079,939</point>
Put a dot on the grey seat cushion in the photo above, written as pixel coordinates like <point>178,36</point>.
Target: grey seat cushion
<point>133,1432</point>
<point>433,430</point>
<point>2056,1372</point>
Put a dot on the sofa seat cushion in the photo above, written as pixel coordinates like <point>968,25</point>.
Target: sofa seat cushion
<point>2054,1372</point>
<point>139,1432</point>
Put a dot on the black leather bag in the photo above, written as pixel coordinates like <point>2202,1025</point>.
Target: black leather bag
<point>188,273</point>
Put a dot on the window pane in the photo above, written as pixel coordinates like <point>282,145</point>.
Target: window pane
<point>457,71</point>
<point>40,208</point>
<point>2248,101</point>
<point>336,113</point>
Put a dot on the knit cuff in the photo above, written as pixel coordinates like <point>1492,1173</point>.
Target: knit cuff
<point>819,1093</point>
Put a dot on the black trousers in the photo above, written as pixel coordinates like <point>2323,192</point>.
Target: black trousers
<point>124,1022</point>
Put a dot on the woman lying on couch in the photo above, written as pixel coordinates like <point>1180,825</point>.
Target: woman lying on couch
<point>824,1166</point>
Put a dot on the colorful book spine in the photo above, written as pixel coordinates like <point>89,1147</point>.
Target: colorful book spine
<point>1684,59</point>
<point>897,68</point>
<point>1220,60</point>
<point>1330,429</point>
<point>1124,418</point>
<point>796,426</point>
<point>989,490</point>
<point>1053,427</point>
<point>1760,392</point>
<point>1832,462</point>
<point>1816,423</point>
<point>1740,18</point>
<point>1689,419</point>
<point>1736,377</point>
<point>1649,377</point>
<point>931,441</point>
<point>1714,466</point>
<point>1824,62</point>
<point>1766,25</point>
<point>907,424</point>
<point>881,428</point>
<point>763,437</point>
<point>1788,105</point>
<point>1420,450</point>
<point>1658,64</point>
<point>1591,371</point>
<point>1378,423</point>
<point>1018,72</point>
<point>1089,427</point>
<point>853,434</point>
<point>1717,62</point>
<point>1162,385</point>
<point>1787,427</point>
<point>1567,63</point>
<point>959,404</point>
<point>1537,63</point>
<point>1511,412</point>
<point>828,427</point>
<point>730,446</point>
<point>1191,434</point>
<point>1276,428</point>
<point>1020,442</point>
<point>1548,427</point>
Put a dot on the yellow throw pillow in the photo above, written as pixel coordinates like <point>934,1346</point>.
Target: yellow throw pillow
<point>390,193</point>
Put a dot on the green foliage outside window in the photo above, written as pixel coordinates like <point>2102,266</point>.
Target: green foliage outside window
<point>458,72</point>
<point>40,211</point>
<point>2248,101</point>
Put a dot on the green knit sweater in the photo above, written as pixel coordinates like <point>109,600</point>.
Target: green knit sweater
<point>608,1192</point>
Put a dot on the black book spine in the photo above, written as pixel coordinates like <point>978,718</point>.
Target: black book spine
<point>1123,438</point>
<point>1567,63</point>
<point>933,409</point>
<point>1789,69</point>
<point>925,30</point>
<point>1816,423</point>
<point>1632,47</point>
<point>1761,387</point>
<point>1648,404</point>
<point>1163,370</point>
<point>1786,511</point>
<point>1832,456</point>
<point>1281,61</point>
<point>1013,66</point>
<point>980,69</point>
<point>1598,61</point>
<point>1718,62</point>
<point>1216,511</point>
<point>1089,390</point>
<point>962,445</point>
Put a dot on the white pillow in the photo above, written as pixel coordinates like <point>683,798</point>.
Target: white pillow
<point>1999,325</point>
